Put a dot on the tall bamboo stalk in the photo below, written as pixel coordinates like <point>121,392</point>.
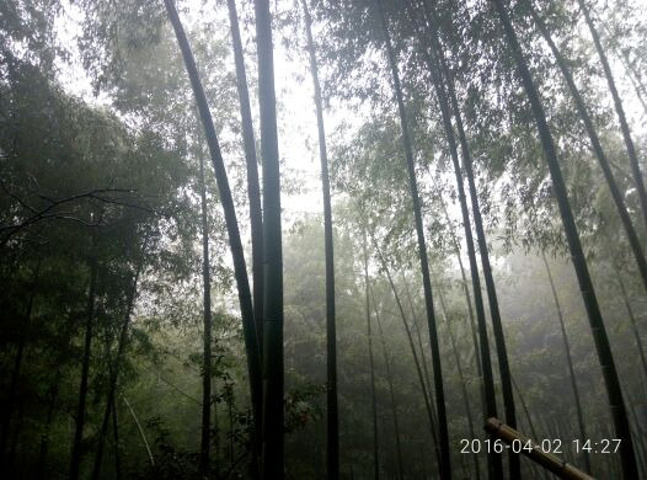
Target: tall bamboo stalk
<point>622,118</point>
<point>272,455</point>
<point>601,156</point>
<point>524,408</point>
<point>376,450</point>
<point>443,433</point>
<point>115,431</point>
<point>416,326</point>
<point>331,336</point>
<point>569,363</point>
<point>18,360</point>
<point>439,69</point>
<point>251,161</point>
<point>605,356</point>
<point>45,437</point>
<point>468,301</point>
<point>114,371</point>
<point>75,461</point>
<point>226,200</point>
<point>634,324</point>
<point>389,379</point>
<point>494,460</point>
<point>463,382</point>
<point>207,321</point>
<point>416,360</point>
<point>151,459</point>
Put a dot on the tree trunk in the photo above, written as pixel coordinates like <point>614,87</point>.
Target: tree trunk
<point>44,439</point>
<point>216,436</point>
<point>331,338</point>
<point>494,460</point>
<point>114,371</point>
<point>634,324</point>
<point>445,461</point>
<point>470,309</point>
<point>141,431</point>
<point>569,363</point>
<point>640,437</point>
<point>497,326</point>
<point>605,356</point>
<point>537,472</point>
<point>15,374</point>
<point>376,451</point>
<point>75,462</point>
<point>115,431</point>
<point>416,326</point>
<point>273,383</point>
<point>54,392</point>
<point>407,328</point>
<point>468,301</point>
<point>624,126</point>
<point>389,379</point>
<point>240,270</point>
<point>207,322</point>
<point>463,383</point>
<point>437,63</point>
<point>230,414</point>
<point>251,161</point>
<point>632,236</point>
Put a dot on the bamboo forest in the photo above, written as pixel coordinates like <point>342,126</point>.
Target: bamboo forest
<point>323,239</point>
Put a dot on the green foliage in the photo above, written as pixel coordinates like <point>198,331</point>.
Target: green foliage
<point>119,183</point>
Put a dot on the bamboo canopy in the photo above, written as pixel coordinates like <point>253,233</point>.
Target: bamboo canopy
<point>549,461</point>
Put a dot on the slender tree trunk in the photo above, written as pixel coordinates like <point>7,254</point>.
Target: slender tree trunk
<point>216,436</point>
<point>114,374</point>
<point>273,383</point>
<point>44,439</point>
<point>569,363</point>
<point>141,431</point>
<point>436,62</point>
<point>54,391</point>
<point>15,374</point>
<point>407,328</point>
<point>468,300</point>
<point>600,337</point>
<point>537,472</point>
<point>376,451</point>
<point>331,338</point>
<point>632,236</point>
<point>416,326</point>
<point>463,382</point>
<point>624,126</point>
<point>389,380</point>
<point>445,461</point>
<point>493,302</point>
<point>640,438</point>
<point>634,324</point>
<point>115,431</point>
<point>494,460</point>
<point>207,322</point>
<point>240,270</point>
<point>230,414</point>
<point>75,462</point>
<point>251,161</point>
